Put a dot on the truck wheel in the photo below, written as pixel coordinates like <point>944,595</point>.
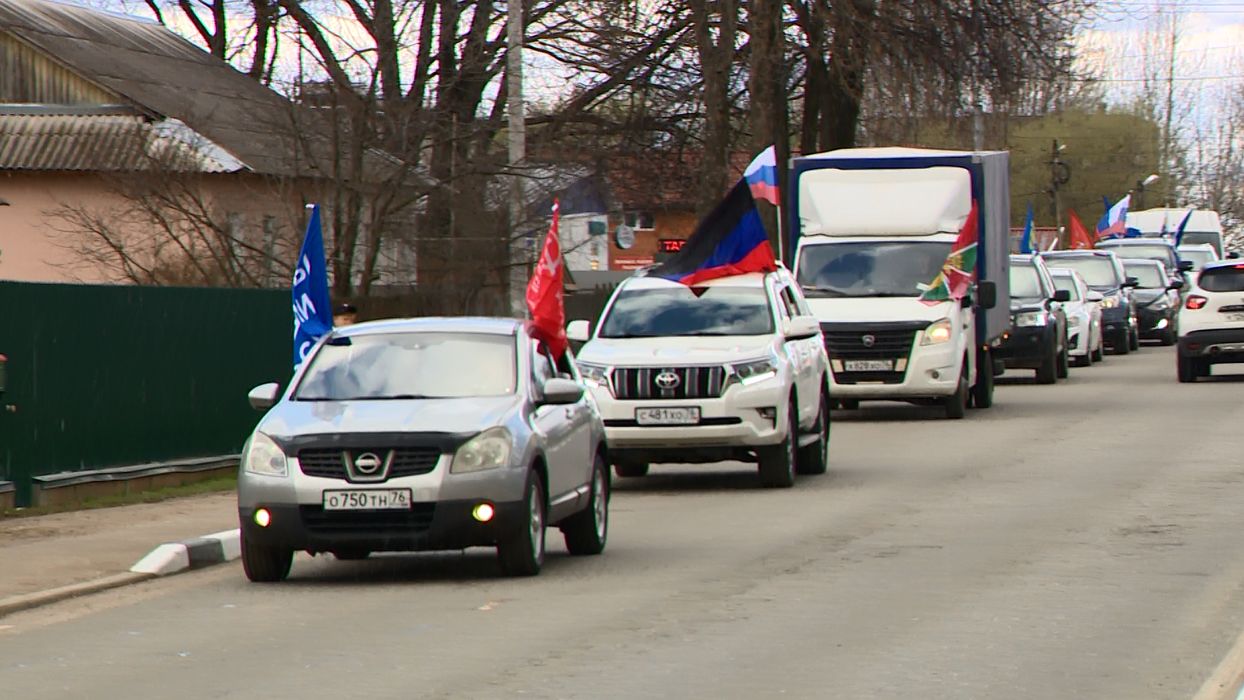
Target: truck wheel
<point>264,564</point>
<point>1047,373</point>
<point>777,463</point>
<point>631,469</point>
<point>956,404</point>
<point>1122,344</point>
<point>586,531</point>
<point>814,459</point>
<point>1186,368</point>
<point>1062,366</point>
<point>522,552</point>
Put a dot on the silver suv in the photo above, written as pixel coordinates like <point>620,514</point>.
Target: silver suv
<point>424,434</point>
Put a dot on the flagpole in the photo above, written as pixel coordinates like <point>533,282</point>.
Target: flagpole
<point>780,236</point>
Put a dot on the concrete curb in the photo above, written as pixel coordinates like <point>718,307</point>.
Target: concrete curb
<point>164,560</point>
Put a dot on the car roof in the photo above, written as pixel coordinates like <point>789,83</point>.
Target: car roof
<point>1197,246</point>
<point>435,324</point>
<point>1083,253</point>
<point>1062,271</point>
<point>1142,261</point>
<point>1222,263</point>
<point>750,279</point>
<point>1134,241</point>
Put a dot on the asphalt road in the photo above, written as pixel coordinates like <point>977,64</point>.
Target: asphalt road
<point>1077,541</point>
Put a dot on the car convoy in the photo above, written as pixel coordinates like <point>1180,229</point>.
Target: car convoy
<point>380,442</point>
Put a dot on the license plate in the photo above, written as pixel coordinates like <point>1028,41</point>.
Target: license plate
<point>367,499</point>
<point>689,415</point>
<point>1235,317</point>
<point>869,365</point>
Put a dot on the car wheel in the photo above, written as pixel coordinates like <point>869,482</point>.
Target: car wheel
<point>1099,353</point>
<point>956,404</point>
<point>1186,368</point>
<point>1082,360</point>
<point>777,463</point>
<point>982,391</point>
<point>1047,373</point>
<point>1133,341</point>
<point>1122,344</point>
<point>1064,363</point>
<point>522,552</point>
<point>351,554</point>
<point>585,532</point>
<point>814,459</point>
<point>631,469</point>
<point>265,564</point>
<point>1168,337</point>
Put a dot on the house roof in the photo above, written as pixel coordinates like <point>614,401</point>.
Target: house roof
<point>662,180</point>
<point>162,75</point>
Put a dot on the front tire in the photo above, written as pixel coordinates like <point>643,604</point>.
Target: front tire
<point>777,463</point>
<point>814,459</point>
<point>264,564</point>
<point>586,532</point>
<point>1169,337</point>
<point>522,553</point>
<point>1133,341</point>
<point>1063,365</point>
<point>956,404</point>
<point>1123,343</point>
<point>1047,373</point>
<point>1186,369</point>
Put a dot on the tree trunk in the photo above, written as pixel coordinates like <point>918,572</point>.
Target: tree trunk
<point>716,60</point>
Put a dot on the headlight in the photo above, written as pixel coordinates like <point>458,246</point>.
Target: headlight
<point>598,374</point>
<point>937,333</point>
<point>488,450</point>
<point>1109,302</point>
<point>754,371</point>
<point>1032,318</point>
<point>263,456</point>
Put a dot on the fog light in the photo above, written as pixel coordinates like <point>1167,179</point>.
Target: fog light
<point>483,512</point>
<point>263,518</point>
<point>1162,324</point>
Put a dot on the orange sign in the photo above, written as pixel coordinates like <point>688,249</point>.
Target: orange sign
<point>631,262</point>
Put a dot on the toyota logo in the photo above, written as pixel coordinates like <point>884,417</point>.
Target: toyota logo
<point>868,340</point>
<point>668,380</point>
<point>367,463</point>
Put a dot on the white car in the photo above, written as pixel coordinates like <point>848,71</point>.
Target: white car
<point>1198,253</point>
<point>1085,343</point>
<point>1211,322</point>
<point>731,369</point>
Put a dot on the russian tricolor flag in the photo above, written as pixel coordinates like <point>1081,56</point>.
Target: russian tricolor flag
<point>1113,223</point>
<point>731,240</point>
<point>762,177</point>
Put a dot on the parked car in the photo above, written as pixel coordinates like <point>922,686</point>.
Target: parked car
<point>1038,337</point>
<point>734,368</point>
<point>1211,322</point>
<point>1103,271</point>
<point>1150,249</point>
<point>1157,299</point>
<point>1084,332</point>
<point>424,434</point>
<point>1198,254</point>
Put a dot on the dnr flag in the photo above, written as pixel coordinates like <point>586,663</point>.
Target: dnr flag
<point>731,240</point>
<point>959,270</point>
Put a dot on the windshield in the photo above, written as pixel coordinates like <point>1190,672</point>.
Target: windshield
<point>671,311</point>
<point>1096,271</point>
<point>1025,282</point>
<point>1065,282</point>
<point>1149,276</point>
<point>410,365</point>
<point>1159,252</point>
<point>1223,279</point>
<point>1194,237</point>
<point>1198,257</point>
<point>870,269</point>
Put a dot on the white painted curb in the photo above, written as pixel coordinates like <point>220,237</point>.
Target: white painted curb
<point>176,557</point>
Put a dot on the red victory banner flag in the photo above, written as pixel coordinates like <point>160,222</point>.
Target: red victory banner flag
<point>545,294</point>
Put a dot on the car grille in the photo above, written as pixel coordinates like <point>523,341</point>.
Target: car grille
<point>372,523</point>
<point>867,341</point>
<point>654,382</point>
<point>330,463</point>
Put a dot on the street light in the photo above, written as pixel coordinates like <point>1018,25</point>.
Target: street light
<point>1140,189</point>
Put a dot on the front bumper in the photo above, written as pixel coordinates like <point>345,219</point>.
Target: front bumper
<point>1153,323</point>
<point>1026,347</point>
<point>1223,345</point>
<point>929,371</point>
<point>1117,322</point>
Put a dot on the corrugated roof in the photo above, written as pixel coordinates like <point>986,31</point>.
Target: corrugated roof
<point>165,75</point>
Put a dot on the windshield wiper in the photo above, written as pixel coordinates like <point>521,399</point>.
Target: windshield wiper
<point>824,291</point>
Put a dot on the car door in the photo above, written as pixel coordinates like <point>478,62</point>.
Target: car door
<point>802,352</point>
<point>566,430</point>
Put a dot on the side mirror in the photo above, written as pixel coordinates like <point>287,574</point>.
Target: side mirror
<point>578,331</point>
<point>264,396</point>
<point>1186,266</point>
<point>1176,284</point>
<point>987,294</point>
<point>1233,255</point>
<point>1131,283</point>
<point>1095,296</point>
<point>558,391</point>
<point>1061,295</point>
<point>801,328</point>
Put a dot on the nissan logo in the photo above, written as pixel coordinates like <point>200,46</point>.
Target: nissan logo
<point>868,340</point>
<point>367,463</point>
<point>668,380</point>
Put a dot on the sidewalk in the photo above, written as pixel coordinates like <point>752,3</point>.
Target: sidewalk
<point>49,551</point>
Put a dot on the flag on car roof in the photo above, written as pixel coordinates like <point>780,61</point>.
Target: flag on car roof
<point>731,240</point>
<point>1113,223</point>
<point>762,176</point>
<point>312,314</point>
<point>1078,237</point>
<point>1025,242</point>
<point>546,293</point>
<point>1179,231</point>
<point>959,270</point>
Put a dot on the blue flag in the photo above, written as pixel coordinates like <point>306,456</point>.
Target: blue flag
<point>1025,243</point>
<point>312,315</point>
<point>1179,232</point>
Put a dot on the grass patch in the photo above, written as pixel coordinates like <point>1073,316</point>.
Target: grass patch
<point>218,484</point>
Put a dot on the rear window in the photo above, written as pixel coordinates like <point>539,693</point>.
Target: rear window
<point>1223,279</point>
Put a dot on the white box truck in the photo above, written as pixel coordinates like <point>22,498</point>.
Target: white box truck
<point>1203,226</point>
<point>870,229</point>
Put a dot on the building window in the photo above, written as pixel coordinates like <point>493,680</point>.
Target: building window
<point>639,220</point>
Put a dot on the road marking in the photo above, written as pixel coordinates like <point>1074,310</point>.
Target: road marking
<point>1225,682</point>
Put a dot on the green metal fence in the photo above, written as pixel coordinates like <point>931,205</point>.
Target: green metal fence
<point>101,376</point>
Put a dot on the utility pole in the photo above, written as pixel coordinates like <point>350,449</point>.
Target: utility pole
<point>978,108</point>
<point>516,111</point>
<point>1060,174</point>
